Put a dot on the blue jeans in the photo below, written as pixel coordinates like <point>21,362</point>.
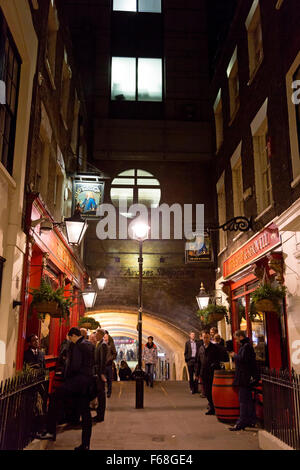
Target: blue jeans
<point>149,369</point>
<point>247,408</point>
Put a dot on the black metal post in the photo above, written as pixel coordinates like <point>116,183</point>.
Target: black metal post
<point>139,391</point>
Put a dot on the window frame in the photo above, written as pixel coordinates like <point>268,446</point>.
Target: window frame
<point>253,22</point>
<point>5,75</point>
<point>233,77</point>
<point>137,9</point>
<point>219,121</point>
<point>261,157</point>
<point>222,213</point>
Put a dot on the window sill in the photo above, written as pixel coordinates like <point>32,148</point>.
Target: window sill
<point>7,177</point>
<point>264,212</point>
<point>295,181</point>
<point>254,72</point>
<point>222,251</point>
<point>50,74</point>
<point>238,236</point>
<point>234,115</point>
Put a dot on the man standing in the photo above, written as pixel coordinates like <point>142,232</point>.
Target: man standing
<point>100,363</point>
<point>208,361</point>
<point>34,357</point>
<point>190,355</point>
<point>213,333</point>
<point>78,385</point>
<point>245,371</point>
<point>150,358</point>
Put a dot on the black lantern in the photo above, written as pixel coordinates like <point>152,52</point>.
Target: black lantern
<point>89,295</point>
<point>101,281</point>
<point>75,227</point>
<point>202,298</point>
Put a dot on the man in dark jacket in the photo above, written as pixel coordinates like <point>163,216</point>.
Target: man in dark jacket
<point>245,372</point>
<point>78,384</point>
<point>190,356</point>
<point>34,357</point>
<point>208,360</point>
<point>111,356</point>
<point>100,365</point>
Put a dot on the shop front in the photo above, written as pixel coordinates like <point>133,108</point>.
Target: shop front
<point>48,257</point>
<point>259,259</point>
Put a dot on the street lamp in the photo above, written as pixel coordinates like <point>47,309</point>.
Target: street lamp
<point>202,298</point>
<point>75,228</point>
<point>89,295</point>
<point>101,281</point>
<point>140,233</point>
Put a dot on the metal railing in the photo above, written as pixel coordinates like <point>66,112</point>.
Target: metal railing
<point>23,402</point>
<point>281,402</point>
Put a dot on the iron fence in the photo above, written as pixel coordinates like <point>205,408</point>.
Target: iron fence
<point>23,402</point>
<point>281,402</point>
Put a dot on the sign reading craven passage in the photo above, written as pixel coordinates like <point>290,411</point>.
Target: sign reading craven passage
<point>89,195</point>
<point>198,250</point>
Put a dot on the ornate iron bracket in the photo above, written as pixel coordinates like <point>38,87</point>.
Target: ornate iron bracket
<point>240,223</point>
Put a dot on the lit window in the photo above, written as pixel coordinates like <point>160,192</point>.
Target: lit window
<point>233,80</point>
<point>222,212</point>
<point>123,79</point>
<point>237,183</point>
<point>218,111</point>
<point>255,44</point>
<point>136,186</point>
<point>143,6</point>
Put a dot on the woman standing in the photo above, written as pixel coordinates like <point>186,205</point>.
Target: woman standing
<point>149,359</point>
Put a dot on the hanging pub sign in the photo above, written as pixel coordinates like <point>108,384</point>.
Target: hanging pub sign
<point>198,250</point>
<point>89,195</point>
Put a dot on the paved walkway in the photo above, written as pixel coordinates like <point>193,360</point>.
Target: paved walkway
<point>172,419</point>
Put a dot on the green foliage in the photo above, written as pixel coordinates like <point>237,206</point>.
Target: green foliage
<point>94,323</point>
<point>206,313</point>
<point>46,294</point>
<point>266,291</point>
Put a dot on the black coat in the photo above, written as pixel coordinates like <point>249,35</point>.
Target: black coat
<point>188,350</point>
<point>245,365</point>
<point>125,373</point>
<point>208,360</point>
<point>35,361</point>
<point>101,357</point>
<point>223,353</point>
<point>79,367</point>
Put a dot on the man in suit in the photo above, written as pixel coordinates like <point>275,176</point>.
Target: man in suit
<point>190,356</point>
<point>34,357</point>
<point>208,360</point>
<point>78,385</point>
<point>100,366</point>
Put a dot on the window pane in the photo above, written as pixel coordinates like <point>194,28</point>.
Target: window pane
<point>147,182</point>
<point>125,194</point>
<point>123,78</point>
<point>123,181</point>
<point>149,197</point>
<point>124,5</point>
<point>143,173</point>
<point>127,173</point>
<point>150,6</point>
<point>149,79</point>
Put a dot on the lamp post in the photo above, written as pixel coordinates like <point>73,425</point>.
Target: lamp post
<point>202,298</point>
<point>140,233</point>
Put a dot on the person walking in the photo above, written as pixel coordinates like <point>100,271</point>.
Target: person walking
<point>100,368</point>
<point>208,360</point>
<point>110,357</point>
<point>149,358</point>
<point>78,384</point>
<point>246,375</point>
<point>190,356</point>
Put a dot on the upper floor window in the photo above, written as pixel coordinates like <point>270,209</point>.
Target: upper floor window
<point>293,104</point>
<point>136,186</point>
<point>135,79</point>
<point>50,53</point>
<point>237,182</point>
<point>255,42</point>
<point>142,6</point>
<point>218,111</point>
<point>222,211</point>
<point>65,89</point>
<point>10,66</point>
<point>234,88</point>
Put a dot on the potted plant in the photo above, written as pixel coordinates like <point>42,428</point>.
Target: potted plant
<point>88,322</point>
<point>267,298</point>
<point>49,301</point>
<point>212,313</point>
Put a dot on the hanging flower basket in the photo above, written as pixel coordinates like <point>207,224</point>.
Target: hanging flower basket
<point>46,300</point>
<point>265,305</point>
<point>89,323</point>
<point>212,314</point>
<point>46,307</point>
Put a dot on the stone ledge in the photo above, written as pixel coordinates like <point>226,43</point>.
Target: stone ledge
<point>267,441</point>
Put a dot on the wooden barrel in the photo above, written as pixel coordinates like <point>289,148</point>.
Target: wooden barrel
<point>225,397</point>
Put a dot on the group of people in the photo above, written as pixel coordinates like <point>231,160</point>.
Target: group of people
<point>205,355</point>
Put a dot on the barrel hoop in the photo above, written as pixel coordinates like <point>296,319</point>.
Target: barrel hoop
<point>227,416</point>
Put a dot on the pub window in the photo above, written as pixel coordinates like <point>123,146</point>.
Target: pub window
<point>255,42</point>
<point>135,79</point>
<point>10,66</point>
<point>136,186</point>
<point>262,167</point>
<point>142,6</point>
